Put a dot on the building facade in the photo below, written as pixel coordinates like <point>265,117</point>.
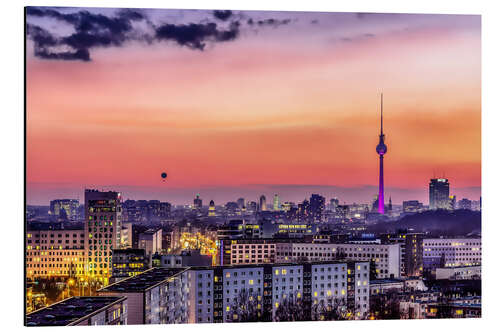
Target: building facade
<point>102,231</point>
<point>451,252</point>
<point>439,193</point>
<point>55,252</point>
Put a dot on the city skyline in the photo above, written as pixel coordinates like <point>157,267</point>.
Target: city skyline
<point>279,96</point>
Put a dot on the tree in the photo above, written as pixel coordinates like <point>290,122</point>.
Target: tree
<point>246,307</point>
<point>330,309</point>
<point>385,306</point>
<point>292,308</point>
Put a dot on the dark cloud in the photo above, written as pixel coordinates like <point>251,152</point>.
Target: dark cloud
<point>45,42</point>
<point>195,36</point>
<point>223,15</point>
<point>268,22</point>
<point>273,22</point>
<point>93,30</point>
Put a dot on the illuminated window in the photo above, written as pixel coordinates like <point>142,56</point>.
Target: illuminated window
<point>250,282</point>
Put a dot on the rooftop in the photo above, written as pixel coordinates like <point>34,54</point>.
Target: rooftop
<point>325,262</point>
<point>143,281</point>
<point>70,311</point>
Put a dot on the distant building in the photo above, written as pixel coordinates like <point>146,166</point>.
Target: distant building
<point>465,204</point>
<point>334,202</point>
<point>197,202</point>
<point>262,203</point>
<point>412,206</point>
<point>151,241</point>
<point>276,203</point>
<point>81,311</point>
<point>241,203</point>
<point>317,206</point>
<point>439,193</point>
<point>452,201</point>
<point>211,208</point>
<point>66,209</point>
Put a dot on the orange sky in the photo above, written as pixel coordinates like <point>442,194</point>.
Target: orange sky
<point>269,108</point>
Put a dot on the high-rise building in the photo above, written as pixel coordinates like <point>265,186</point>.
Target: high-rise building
<point>381,151</point>
<point>439,193</point>
<point>241,203</point>
<point>262,203</point>
<point>317,205</point>
<point>102,231</point>
<point>197,202</point>
<point>334,202</point>
<point>211,208</point>
<point>413,254</point>
<point>276,203</point>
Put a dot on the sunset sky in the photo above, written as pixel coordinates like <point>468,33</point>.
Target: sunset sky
<point>245,103</point>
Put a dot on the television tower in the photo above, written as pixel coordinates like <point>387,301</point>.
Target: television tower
<point>381,150</point>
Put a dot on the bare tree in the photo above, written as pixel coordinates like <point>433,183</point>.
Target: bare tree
<point>246,307</point>
<point>330,309</point>
<point>292,308</point>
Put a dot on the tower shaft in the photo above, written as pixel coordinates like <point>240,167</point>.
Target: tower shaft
<point>381,208</point>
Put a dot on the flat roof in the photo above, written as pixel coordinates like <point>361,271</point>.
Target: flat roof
<point>70,311</point>
<point>324,262</point>
<point>144,281</point>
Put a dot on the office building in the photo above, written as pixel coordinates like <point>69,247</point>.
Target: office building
<point>439,193</point>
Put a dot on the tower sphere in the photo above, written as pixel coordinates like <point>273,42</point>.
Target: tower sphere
<point>381,148</point>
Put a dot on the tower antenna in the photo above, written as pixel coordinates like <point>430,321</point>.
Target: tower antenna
<point>381,113</point>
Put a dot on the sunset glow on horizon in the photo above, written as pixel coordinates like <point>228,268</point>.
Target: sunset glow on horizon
<point>280,106</point>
